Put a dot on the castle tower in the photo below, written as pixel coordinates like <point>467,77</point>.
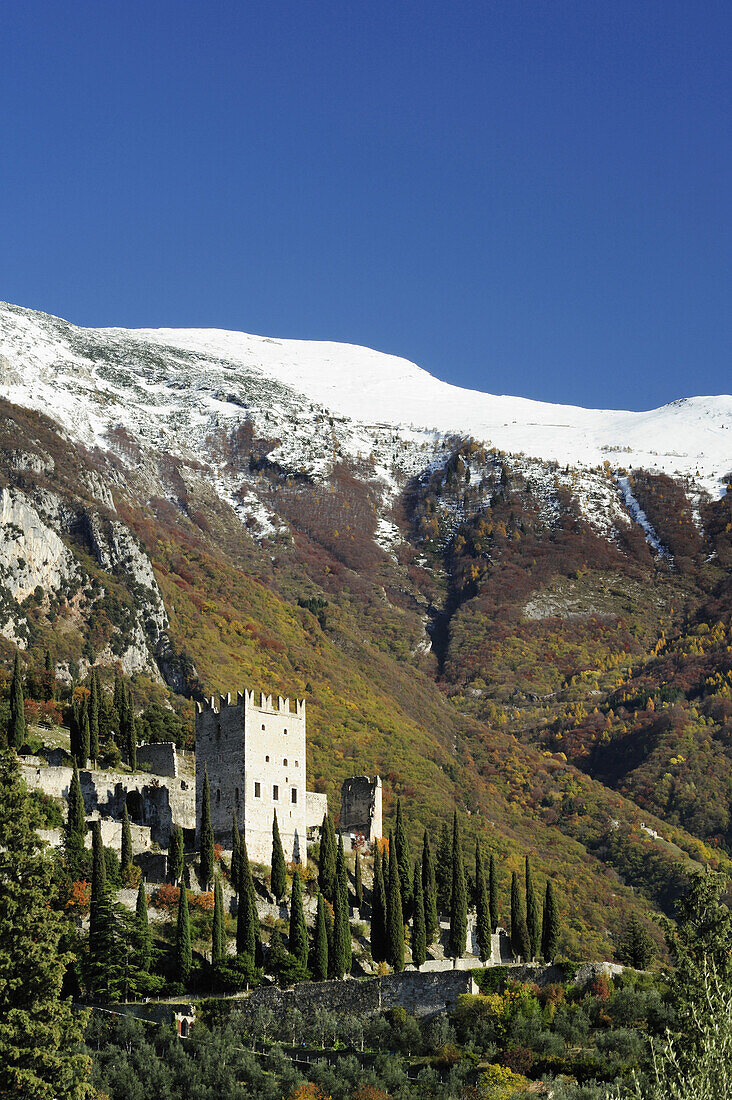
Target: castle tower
<point>361,807</point>
<point>255,753</point>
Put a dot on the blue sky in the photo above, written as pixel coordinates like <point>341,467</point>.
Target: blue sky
<point>524,197</point>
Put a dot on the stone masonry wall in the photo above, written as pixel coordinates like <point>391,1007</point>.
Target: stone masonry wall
<point>361,806</point>
<point>160,758</point>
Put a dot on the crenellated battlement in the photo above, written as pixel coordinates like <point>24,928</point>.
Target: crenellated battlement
<point>253,700</point>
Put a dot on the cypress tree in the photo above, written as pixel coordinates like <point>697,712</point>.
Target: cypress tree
<point>404,861</point>
<point>41,1035</point>
<point>298,940</point>
<point>533,915</point>
<point>482,908</point>
<point>218,934</point>
<point>75,825</point>
<point>17,727</point>
<point>378,910</point>
<point>126,847</point>
<point>394,913</point>
<point>319,962</point>
<point>207,836</point>
<point>247,918</point>
<point>358,884</point>
<point>520,944</point>
<point>93,707</point>
<point>459,899</point>
<point>235,855</point>
<point>419,934</point>
<point>75,736</point>
<point>550,925</point>
<point>338,965</point>
<point>175,855</point>
<point>183,950</point>
<point>143,944</point>
<point>326,858</point>
<point>85,735</point>
<point>635,945</point>
<point>104,963</point>
<point>342,889</point>
<point>443,872</point>
<point>429,891</point>
<point>493,893</point>
<point>278,878</point>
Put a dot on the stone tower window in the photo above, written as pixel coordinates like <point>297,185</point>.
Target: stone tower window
<point>236,795</point>
<point>284,763</point>
<point>284,731</point>
<point>257,789</point>
<point>262,725</point>
<point>267,759</point>
<point>294,795</point>
<point>297,764</point>
<point>275,793</point>
<point>218,794</point>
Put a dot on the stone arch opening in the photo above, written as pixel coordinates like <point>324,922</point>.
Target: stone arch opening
<point>135,807</point>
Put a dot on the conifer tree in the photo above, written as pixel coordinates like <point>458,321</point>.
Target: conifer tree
<point>207,836</point>
<point>319,961</point>
<point>175,855</point>
<point>482,908</point>
<point>74,736</point>
<point>118,706</point>
<point>326,858</point>
<point>218,934</point>
<point>635,944</point>
<point>183,949</point>
<point>17,727</point>
<point>419,935</point>
<point>342,890</point>
<point>126,847</point>
<point>533,914</point>
<point>429,891</point>
<point>340,923</point>
<point>298,940</point>
<point>235,855</point>
<point>493,893</point>
<point>404,862</point>
<point>550,925</point>
<point>394,913</point>
<point>459,895</point>
<point>520,944</point>
<point>40,1034</point>
<point>329,935</point>
<point>104,959</point>
<point>93,709</point>
<point>278,877</point>
<point>84,739</point>
<point>75,825</point>
<point>358,883</point>
<point>143,943</point>
<point>443,872</point>
<point>378,909</point>
<point>247,918</point>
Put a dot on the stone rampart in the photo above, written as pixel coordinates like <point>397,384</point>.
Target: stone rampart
<point>160,758</point>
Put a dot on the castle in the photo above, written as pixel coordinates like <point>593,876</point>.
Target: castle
<point>254,752</point>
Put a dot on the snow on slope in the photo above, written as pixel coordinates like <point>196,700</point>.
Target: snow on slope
<point>173,387</point>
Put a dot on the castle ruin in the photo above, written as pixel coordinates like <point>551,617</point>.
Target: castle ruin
<point>361,807</point>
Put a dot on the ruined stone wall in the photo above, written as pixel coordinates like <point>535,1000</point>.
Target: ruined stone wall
<point>156,802</point>
<point>160,758</point>
<point>361,806</point>
<point>316,807</point>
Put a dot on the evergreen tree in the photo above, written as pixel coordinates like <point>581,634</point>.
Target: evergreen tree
<point>329,935</point>
<point>482,908</point>
<point>635,946</point>
<point>394,913</point>
<point>75,825</point>
<point>40,1035</point>
<point>93,708</point>
<point>493,893</point>
<point>278,878</point>
<point>520,944</point>
<point>126,847</point>
<point>459,895</point>
<point>319,960</point>
<point>104,959</point>
<point>404,862</point>
<point>84,737</point>
<point>142,938</point>
<point>326,858</point>
<point>419,934</point>
<point>183,950</point>
<point>118,706</point>
<point>235,855</point>
<point>218,934</point>
<point>207,836</point>
<point>443,872</point>
<point>533,915</point>
<point>342,892</point>
<point>340,924</point>
<point>358,884</point>
<point>247,918</point>
<point>75,737</point>
<point>550,925</point>
<point>429,891</point>
<point>175,855</point>
<point>17,728</point>
<point>378,910</point>
<point>298,940</point>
